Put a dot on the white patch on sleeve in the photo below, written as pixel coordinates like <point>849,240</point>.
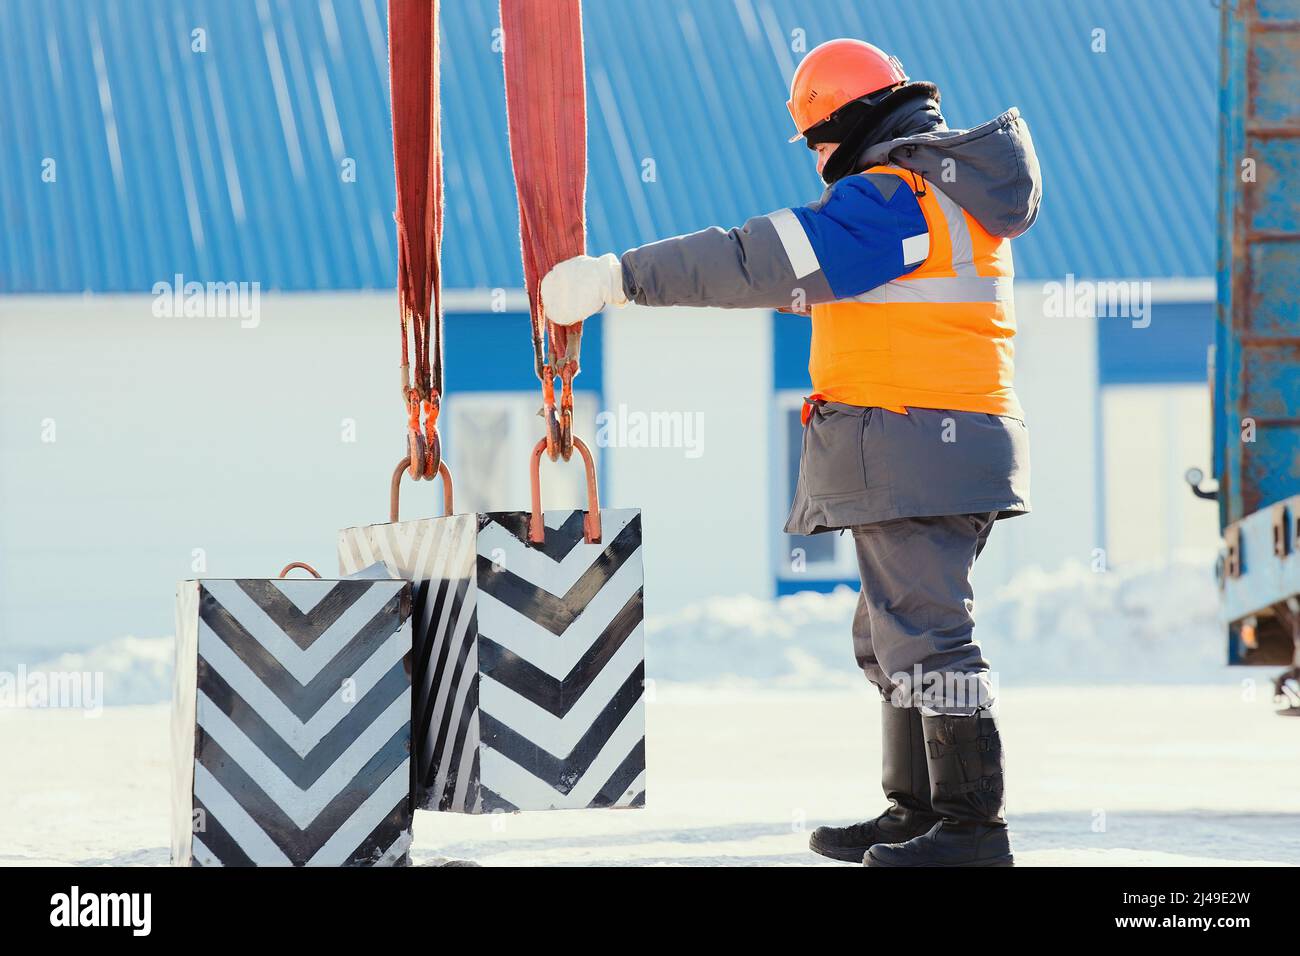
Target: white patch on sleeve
<point>795,242</point>
<point>916,249</point>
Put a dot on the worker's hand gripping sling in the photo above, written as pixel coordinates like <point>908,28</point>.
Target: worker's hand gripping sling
<point>417,158</point>
<point>546,109</point>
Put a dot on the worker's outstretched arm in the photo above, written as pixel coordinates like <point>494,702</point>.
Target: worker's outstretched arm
<point>864,231</point>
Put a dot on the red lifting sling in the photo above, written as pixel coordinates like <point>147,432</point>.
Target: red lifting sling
<point>546,109</point>
<point>417,159</point>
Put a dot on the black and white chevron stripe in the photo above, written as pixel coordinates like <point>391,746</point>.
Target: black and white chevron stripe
<point>562,663</point>
<point>296,695</point>
<point>529,660</point>
<point>437,556</point>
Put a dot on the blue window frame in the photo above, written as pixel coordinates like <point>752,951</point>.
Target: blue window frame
<point>1173,347</point>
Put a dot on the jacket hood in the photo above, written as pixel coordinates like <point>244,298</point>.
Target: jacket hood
<point>991,170</point>
<point>910,109</point>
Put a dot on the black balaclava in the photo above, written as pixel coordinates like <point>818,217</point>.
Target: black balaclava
<point>886,114</point>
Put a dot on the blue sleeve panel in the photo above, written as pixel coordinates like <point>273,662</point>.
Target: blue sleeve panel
<point>857,230</point>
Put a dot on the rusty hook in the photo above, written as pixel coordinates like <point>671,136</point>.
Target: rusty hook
<point>395,489</point>
<point>298,564</point>
<point>591,518</point>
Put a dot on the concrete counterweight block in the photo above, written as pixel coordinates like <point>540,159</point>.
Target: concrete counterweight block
<point>529,660</point>
<point>291,723</point>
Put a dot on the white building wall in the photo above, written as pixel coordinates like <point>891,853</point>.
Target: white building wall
<point>706,519</point>
<point>1056,378</point>
<point>187,440</point>
<point>184,447</point>
<point>1154,433</point>
<point>197,447</point>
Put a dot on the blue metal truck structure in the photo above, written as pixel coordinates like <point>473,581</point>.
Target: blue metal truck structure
<point>1255,362</point>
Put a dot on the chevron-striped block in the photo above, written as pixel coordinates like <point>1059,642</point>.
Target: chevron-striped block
<point>291,723</point>
<point>529,661</point>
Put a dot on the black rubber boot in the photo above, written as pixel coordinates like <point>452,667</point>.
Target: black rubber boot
<point>906,785</point>
<point>965,763</point>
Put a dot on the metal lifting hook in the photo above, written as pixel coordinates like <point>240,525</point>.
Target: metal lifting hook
<point>395,488</point>
<point>591,531</point>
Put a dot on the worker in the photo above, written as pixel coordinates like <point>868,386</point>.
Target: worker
<point>914,439</point>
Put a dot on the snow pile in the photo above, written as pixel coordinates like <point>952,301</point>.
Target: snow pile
<point>136,670</point>
<point>1148,624</point>
<point>1072,626</point>
<point>798,640</point>
<point>1144,624</point>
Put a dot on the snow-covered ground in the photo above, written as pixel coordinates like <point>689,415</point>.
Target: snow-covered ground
<point>1108,775</point>
<point>760,728</point>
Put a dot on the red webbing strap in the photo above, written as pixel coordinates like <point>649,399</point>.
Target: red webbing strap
<point>546,109</point>
<point>417,161</point>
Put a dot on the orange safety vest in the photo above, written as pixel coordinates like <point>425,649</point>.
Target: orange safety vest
<point>938,337</point>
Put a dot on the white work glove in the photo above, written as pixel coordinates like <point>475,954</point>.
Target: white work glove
<point>582,286</point>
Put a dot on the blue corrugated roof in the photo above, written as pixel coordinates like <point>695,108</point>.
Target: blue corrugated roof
<point>227,164</point>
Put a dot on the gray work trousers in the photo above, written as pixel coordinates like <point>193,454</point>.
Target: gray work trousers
<point>913,630</point>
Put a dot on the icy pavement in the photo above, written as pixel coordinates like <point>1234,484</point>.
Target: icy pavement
<point>1198,775</point>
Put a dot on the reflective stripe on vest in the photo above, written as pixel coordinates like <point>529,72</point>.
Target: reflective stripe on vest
<point>938,337</point>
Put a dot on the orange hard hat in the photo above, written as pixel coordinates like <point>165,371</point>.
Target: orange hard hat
<point>835,73</point>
